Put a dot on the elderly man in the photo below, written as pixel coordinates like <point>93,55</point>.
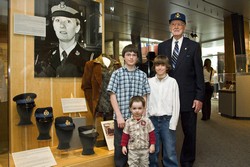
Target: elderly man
<point>185,58</point>
<point>68,58</point>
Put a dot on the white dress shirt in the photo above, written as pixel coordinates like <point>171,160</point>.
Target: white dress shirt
<point>164,99</point>
<point>68,50</point>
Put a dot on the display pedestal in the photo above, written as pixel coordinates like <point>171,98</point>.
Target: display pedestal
<point>100,141</point>
<point>74,158</point>
<point>227,103</point>
<point>243,96</point>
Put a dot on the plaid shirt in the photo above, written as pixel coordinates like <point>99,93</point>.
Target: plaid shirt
<point>126,84</point>
<point>138,131</point>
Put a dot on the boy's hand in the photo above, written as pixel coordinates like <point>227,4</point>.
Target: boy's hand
<point>152,148</point>
<point>120,122</point>
<point>124,150</point>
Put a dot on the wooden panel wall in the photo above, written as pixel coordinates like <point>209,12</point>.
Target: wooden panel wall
<point>246,36</point>
<point>229,46</point>
<point>49,90</point>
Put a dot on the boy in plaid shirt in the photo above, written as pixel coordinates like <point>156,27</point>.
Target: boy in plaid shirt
<point>125,82</point>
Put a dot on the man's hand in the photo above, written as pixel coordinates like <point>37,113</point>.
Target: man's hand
<point>197,105</point>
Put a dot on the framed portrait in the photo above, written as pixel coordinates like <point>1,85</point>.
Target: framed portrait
<point>108,131</point>
<point>73,37</point>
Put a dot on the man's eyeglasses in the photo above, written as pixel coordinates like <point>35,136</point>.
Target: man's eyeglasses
<point>177,24</point>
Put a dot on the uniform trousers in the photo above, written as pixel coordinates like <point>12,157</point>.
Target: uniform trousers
<point>188,151</point>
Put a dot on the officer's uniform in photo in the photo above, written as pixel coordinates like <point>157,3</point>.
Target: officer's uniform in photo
<point>49,64</point>
<point>73,66</point>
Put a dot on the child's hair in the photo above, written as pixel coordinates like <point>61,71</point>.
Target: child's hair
<point>137,99</point>
<point>130,48</point>
<point>161,60</point>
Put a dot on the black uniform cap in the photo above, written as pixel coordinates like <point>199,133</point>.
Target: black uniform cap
<point>177,16</point>
<point>24,98</point>
<point>64,123</point>
<point>44,112</point>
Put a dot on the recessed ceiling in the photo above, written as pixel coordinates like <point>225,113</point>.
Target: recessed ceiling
<point>149,18</point>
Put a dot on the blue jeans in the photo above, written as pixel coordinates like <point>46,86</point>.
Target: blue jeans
<point>168,139</point>
<point>119,158</point>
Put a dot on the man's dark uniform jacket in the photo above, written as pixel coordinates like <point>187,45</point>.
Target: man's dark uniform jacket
<point>188,71</point>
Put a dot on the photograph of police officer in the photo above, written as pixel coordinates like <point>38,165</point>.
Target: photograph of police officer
<point>65,55</point>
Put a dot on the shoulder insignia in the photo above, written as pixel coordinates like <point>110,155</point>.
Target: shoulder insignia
<point>54,52</point>
<point>77,53</point>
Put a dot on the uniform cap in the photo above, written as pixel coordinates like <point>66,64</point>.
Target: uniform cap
<point>64,123</point>
<point>66,8</point>
<point>25,98</point>
<point>177,16</point>
<point>87,131</point>
<point>44,112</point>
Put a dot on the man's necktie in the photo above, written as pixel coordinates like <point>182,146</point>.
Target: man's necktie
<point>64,57</point>
<point>175,54</point>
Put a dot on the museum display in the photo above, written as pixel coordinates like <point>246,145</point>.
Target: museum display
<point>88,137</point>
<point>25,104</point>
<point>44,119</point>
<point>64,129</point>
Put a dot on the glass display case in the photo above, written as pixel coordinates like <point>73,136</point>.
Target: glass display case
<point>227,94</point>
<point>227,81</point>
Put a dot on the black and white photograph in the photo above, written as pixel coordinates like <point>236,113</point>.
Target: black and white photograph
<point>73,37</point>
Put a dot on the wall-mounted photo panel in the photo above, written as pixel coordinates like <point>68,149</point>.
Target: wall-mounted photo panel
<point>73,37</point>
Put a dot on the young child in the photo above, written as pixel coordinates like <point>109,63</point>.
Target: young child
<point>138,134</point>
<point>125,82</point>
<point>163,111</point>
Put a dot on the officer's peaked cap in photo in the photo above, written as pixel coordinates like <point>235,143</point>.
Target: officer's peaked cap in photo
<point>177,16</point>
<point>66,8</point>
<point>24,98</point>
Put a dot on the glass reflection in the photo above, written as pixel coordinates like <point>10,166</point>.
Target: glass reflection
<point>4,124</point>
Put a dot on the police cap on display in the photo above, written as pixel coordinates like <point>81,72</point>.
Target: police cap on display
<point>24,98</point>
<point>64,123</point>
<point>66,8</point>
<point>44,112</point>
<point>177,16</point>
